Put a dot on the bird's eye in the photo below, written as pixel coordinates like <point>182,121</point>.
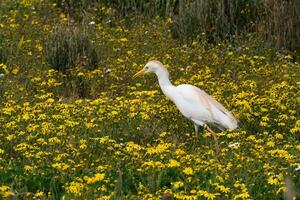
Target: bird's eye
<point>147,67</point>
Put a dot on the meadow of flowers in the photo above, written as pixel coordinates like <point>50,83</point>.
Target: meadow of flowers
<point>125,140</point>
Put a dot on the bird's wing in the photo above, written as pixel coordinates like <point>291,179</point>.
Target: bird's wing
<point>211,101</point>
<point>197,96</point>
<point>193,94</point>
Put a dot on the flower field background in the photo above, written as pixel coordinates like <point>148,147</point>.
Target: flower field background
<point>91,131</point>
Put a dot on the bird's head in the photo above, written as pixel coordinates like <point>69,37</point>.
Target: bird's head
<point>152,66</point>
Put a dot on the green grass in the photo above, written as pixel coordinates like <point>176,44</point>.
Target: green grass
<point>125,140</point>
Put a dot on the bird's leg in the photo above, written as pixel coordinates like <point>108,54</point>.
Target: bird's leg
<point>214,135</point>
<point>196,129</point>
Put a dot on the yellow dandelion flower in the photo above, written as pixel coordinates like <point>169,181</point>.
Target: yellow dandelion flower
<point>177,184</point>
<point>173,163</point>
<point>75,188</point>
<point>28,168</point>
<point>270,144</point>
<point>5,191</point>
<point>123,40</point>
<point>96,178</point>
<point>188,171</point>
<point>39,194</point>
<point>273,181</point>
<point>11,137</point>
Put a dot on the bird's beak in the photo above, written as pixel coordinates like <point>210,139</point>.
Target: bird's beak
<point>140,73</point>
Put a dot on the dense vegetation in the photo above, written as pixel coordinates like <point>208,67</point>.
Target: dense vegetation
<point>74,124</point>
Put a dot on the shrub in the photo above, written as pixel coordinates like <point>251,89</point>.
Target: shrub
<point>68,47</point>
<point>281,27</point>
<point>216,19</point>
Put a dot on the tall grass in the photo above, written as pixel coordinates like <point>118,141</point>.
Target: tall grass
<point>216,19</point>
<point>73,7</point>
<point>277,21</point>
<point>3,50</point>
<point>146,7</point>
<point>281,26</point>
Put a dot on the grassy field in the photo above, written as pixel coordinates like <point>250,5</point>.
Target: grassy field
<point>97,133</point>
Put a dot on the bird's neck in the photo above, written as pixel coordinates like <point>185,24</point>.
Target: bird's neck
<point>165,84</point>
<point>164,80</point>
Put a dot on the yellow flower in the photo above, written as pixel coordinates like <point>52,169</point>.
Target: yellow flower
<point>278,136</point>
<point>5,191</point>
<point>10,137</point>
<point>60,166</point>
<point>63,17</point>
<point>173,163</point>
<point>244,195</point>
<point>123,40</point>
<point>91,180</point>
<point>179,152</point>
<point>222,188</point>
<point>76,187</point>
<point>270,144</point>
<point>80,74</point>
<point>88,125</point>
<point>273,181</point>
<point>207,195</point>
<point>151,163</point>
<point>230,53</point>
<point>28,168</point>
<point>39,194</point>
<point>50,100</point>
<point>159,149</point>
<point>188,171</point>
<point>4,68</point>
<point>178,184</point>
<point>15,71</point>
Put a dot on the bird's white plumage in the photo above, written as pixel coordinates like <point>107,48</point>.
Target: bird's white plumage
<point>192,102</point>
<point>204,108</point>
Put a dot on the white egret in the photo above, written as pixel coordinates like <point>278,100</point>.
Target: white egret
<point>192,102</point>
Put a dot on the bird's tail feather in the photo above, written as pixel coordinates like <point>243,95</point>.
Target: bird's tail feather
<point>225,120</point>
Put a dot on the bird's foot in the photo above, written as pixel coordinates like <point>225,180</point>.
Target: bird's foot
<point>214,135</point>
